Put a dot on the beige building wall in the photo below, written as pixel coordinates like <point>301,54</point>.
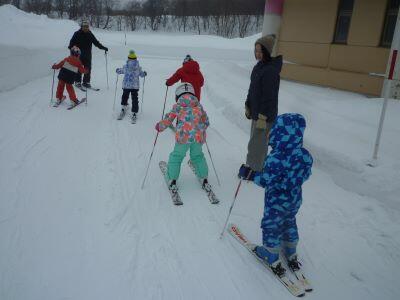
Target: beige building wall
<point>306,43</point>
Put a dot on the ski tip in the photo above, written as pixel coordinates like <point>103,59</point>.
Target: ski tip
<point>232,226</point>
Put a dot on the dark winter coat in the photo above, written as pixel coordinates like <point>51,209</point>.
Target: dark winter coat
<point>190,72</point>
<point>84,41</point>
<point>262,97</point>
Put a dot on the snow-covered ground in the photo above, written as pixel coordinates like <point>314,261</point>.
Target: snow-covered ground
<point>75,224</point>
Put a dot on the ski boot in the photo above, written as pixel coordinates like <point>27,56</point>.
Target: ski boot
<point>87,85</point>
<point>133,118</point>
<point>206,186</point>
<point>172,186</point>
<point>59,101</point>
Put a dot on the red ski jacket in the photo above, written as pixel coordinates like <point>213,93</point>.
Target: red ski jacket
<point>190,72</point>
<point>70,66</point>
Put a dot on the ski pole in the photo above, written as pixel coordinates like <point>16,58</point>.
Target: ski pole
<point>105,53</point>
<point>86,97</point>
<point>155,141</point>
<point>141,106</point>
<point>52,88</point>
<point>212,162</point>
<point>230,209</point>
<point>115,94</point>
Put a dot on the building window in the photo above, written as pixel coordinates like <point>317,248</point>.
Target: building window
<point>343,21</point>
<point>390,23</point>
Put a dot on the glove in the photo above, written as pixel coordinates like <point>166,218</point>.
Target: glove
<point>144,73</point>
<point>157,127</point>
<point>246,173</point>
<point>105,49</point>
<point>261,122</point>
<point>166,83</point>
<point>117,70</point>
<point>53,66</point>
<point>247,112</point>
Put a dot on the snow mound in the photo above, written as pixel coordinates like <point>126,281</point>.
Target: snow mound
<point>18,28</point>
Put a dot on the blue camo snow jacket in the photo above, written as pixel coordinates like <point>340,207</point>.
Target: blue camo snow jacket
<point>288,165</point>
<point>132,71</point>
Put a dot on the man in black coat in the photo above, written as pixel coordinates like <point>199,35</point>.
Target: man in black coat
<point>84,38</point>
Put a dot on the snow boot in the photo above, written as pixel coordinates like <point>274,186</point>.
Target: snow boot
<point>87,85</point>
<point>266,255</point>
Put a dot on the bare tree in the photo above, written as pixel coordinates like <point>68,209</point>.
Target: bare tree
<point>154,10</point>
<point>108,9</point>
<point>60,6</point>
<point>73,9</point>
<point>16,3</point>
<point>132,14</point>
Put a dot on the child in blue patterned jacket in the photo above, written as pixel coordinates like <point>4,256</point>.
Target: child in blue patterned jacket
<point>286,168</point>
<point>130,84</point>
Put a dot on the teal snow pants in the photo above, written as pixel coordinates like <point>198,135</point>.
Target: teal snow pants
<point>196,156</point>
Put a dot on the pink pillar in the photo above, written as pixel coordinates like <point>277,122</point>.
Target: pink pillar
<point>274,7</point>
<point>272,16</point>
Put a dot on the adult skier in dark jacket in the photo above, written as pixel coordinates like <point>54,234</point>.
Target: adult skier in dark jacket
<point>84,38</point>
<point>262,102</point>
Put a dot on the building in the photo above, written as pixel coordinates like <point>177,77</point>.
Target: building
<point>343,44</point>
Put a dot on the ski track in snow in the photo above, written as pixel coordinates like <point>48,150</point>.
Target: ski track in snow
<point>75,223</point>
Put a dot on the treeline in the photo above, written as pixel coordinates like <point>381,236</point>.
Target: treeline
<point>227,18</point>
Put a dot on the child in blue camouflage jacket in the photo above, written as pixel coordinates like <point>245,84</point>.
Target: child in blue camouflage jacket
<point>130,84</point>
<point>286,168</point>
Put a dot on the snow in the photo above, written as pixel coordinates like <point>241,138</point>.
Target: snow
<point>75,224</point>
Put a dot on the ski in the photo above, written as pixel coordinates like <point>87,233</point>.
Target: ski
<point>57,104</point>
<point>121,115</point>
<point>80,87</point>
<point>208,189</point>
<point>292,287</point>
<point>75,105</point>
<point>93,89</point>
<point>84,89</point>
<point>302,280</point>
<point>176,199</point>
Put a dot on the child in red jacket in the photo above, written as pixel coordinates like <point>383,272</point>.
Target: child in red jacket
<point>70,66</point>
<point>189,72</point>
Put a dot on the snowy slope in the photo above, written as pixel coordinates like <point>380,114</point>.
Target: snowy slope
<point>29,44</point>
<point>74,223</point>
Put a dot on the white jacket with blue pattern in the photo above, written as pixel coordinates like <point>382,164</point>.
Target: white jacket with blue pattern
<point>131,71</point>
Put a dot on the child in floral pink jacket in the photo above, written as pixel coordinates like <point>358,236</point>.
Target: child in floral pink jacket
<point>192,122</point>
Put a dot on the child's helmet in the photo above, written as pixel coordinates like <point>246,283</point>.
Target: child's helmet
<point>184,87</point>
<point>75,51</point>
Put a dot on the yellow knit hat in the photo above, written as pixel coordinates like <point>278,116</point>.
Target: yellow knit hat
<point>132,54</point>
